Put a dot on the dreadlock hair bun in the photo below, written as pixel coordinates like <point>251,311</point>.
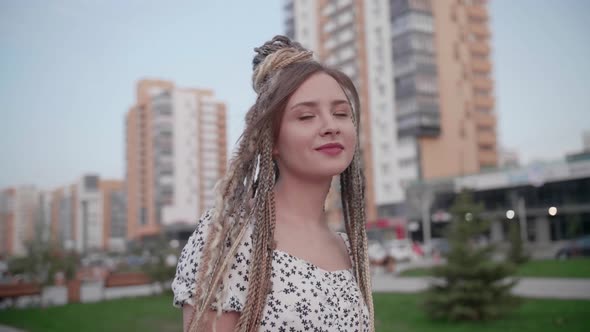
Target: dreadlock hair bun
<point>275,55</point>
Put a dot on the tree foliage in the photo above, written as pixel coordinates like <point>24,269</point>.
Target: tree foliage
<point>471,285</point>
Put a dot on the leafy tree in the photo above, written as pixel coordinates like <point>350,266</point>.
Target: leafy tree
<point>44,258</point>
<point>159,267</point>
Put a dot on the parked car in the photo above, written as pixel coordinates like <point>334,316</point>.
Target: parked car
<point>575,248</point>
<point>440,246</point>
<point>401,250</point>
<point>376,252</point>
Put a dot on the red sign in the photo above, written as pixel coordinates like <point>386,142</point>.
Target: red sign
<point>398,224</point>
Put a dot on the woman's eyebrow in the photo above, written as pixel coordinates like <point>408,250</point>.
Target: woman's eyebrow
<point>315,103</point>
<point>339,102</point>
<point>305,103</point>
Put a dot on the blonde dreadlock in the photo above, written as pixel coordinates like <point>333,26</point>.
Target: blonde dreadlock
<point>280,67</point>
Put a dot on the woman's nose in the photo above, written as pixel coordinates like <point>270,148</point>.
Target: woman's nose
<point>330,126</point>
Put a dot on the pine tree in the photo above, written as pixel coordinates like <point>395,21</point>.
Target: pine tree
<point>471,286</point>
<point>516,253</point>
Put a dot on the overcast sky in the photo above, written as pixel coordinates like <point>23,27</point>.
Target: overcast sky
<point>69,69</point>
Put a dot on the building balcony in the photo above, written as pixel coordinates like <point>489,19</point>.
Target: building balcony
<point>482,102</point>
<point>144,231</point>
<point>485,119</point>
<point>481,66</point>
<point>479,29</point>
<point>483,83</point>
<point>487,158</point>
<point>477,12</point>
<point>486,137</point>
<point>479,48</point>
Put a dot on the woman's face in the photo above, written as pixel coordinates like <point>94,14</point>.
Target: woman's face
<point>317,137</point>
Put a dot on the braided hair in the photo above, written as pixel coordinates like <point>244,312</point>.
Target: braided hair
<point>280,67</point>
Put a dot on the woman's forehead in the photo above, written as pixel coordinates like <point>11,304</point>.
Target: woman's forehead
<point>319,88</point>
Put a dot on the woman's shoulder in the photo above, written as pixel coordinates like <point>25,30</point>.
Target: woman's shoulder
<point>198,238</point>
<point>190,260</point>
<point>200,235</point>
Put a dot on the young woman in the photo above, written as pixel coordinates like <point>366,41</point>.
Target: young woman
<point>264,259</point>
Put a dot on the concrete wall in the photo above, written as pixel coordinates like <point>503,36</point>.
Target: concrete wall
<point>54,295</point>
<point>131,291</point>
<point>89,292</point>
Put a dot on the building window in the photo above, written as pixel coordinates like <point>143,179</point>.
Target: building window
<point>143,216</point>
<point>488,129</point>
<point>407,162</point>
<point>381,89</point>
<point>91,182</point>
<point>486,147</point>
<point>481,93</point>
<point>387,188</point>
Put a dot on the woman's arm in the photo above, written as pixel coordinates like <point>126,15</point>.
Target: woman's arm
<point>225,323</point>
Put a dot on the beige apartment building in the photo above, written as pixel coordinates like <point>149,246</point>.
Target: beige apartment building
<point>176,150</point>
<point>424,74</point>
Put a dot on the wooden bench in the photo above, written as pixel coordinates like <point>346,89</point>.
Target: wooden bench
<point>126,279</point>
<point>17,290</point>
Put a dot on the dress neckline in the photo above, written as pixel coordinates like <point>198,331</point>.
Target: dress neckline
<point>324,271</point>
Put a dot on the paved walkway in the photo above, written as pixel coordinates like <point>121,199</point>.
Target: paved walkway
<point>8,329</point>
<point>555,288</point>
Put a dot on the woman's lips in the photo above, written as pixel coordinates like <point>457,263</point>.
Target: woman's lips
<point>331,149</point>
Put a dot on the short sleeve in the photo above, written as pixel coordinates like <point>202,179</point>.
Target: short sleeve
<point>234,286</point>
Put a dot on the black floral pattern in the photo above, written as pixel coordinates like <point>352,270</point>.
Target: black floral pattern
<point>304,297</point>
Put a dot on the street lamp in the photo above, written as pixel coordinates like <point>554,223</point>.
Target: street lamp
<point>510,214</point>
<point>552,211</point>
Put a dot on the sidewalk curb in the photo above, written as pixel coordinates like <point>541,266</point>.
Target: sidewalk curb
<point>549,288</point>
<point>4,328</point>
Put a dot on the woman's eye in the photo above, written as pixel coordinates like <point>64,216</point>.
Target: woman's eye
<point>305,117</point>
<point>342,114</point>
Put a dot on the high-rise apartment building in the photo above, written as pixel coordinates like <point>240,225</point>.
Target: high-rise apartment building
<point>18,208</point>
<point>89,230</point>
<point>114,214</point>
<point>43,222</point>
<point>89,214</point>
<point>6,220</point>
<point>176,151</point>
<point>423,72</point>
<point>64,215</point>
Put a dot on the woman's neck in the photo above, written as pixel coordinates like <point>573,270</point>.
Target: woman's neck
<point>301,202</point>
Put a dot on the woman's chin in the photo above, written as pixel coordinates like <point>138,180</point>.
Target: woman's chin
<point>329,172</point>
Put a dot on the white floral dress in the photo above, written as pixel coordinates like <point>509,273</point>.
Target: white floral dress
<point>304,297</point>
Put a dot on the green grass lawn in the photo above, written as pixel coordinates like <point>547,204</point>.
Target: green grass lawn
<point>394,312</point>
<point>143,314</point>
<point>400,312</point>
<point>573,268</point>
